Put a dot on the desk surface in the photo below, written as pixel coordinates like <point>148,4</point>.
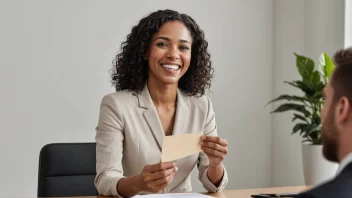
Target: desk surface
<point>246,193</point>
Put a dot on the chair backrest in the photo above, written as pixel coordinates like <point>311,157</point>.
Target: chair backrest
<point>67,169</point>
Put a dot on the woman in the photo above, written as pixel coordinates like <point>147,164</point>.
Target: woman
<point>160,78</point>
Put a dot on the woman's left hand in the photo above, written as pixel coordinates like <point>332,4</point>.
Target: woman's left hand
<point>215,148</point>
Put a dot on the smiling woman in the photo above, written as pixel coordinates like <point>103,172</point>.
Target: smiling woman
<point>169,54</point>
<point>160,79</point>
<point>131,65</point>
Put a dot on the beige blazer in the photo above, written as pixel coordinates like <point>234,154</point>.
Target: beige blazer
<point>129,136</point>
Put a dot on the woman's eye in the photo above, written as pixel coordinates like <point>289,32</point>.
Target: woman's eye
<point>161,44</point>
<point>184,48</point>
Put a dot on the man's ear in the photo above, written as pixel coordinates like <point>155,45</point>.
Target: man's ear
<point>343,110</point>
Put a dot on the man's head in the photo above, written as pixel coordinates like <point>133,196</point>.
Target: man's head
<point>336,115</point>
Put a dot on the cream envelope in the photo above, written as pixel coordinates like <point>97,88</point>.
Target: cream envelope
<point>179,146</point>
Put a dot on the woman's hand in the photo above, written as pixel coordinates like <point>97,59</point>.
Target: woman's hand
<point>157,176</point>
<point>215,148</point>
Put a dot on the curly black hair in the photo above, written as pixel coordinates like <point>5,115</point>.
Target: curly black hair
<point>130,69</point>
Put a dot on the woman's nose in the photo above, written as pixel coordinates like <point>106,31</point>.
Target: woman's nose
<point>173,53</point>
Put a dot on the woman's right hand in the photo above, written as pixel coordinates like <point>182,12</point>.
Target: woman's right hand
<point>157,176</point>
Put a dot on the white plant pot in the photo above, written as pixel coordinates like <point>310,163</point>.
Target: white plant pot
<point>316,168</point>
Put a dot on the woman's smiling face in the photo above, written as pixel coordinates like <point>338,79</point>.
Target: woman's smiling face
<point>169,53</point>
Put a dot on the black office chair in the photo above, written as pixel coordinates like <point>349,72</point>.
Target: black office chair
<point>67,169</point>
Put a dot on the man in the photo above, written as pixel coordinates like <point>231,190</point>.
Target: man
<point>336,117</point>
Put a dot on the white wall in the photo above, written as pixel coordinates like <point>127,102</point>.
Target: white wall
<point>308,28</point>
<point>241,44</point>
<point>348,23</point>
<point>55,57</point>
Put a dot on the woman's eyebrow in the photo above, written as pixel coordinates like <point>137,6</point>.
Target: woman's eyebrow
<point>167,39</point>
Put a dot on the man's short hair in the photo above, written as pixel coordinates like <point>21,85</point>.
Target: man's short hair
<point>341,80</point>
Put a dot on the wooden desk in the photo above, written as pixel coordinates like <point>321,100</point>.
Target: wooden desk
<point>246,193</point>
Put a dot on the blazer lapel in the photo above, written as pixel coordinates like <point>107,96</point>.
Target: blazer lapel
<point>348,168</point>
<point>151,116</point>
<point>181,113</point>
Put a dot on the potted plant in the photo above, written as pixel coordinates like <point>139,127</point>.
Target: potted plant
<point>306,115</point>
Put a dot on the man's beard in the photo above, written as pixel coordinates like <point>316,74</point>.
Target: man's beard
<point>329,138</point>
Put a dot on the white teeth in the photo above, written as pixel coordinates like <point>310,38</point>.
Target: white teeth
<point>171,67</point>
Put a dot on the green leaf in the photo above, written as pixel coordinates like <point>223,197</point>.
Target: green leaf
<point>293,83</point>
<point>297,116</point>
<point>321,86</point>
<point>306,87</point>
<point>292,106</point>
<point>329,65</point>
<point>318,94</point>
<point>321,68</point>
<point>303,86</point>
<point>316,118</point>
<point>289,98</point>
<point>304,65</point>
<point>316,78</point>
<point>310,129</point>
<point>321,60</point>
<point>314,128</point>
<point>299,127</point>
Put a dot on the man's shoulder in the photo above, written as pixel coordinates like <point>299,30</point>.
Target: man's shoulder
<point>337,187</point>
<point>319,191</point>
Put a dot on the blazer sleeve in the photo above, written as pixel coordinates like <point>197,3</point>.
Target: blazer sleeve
<point>210,129</point>
<point>109,147</point>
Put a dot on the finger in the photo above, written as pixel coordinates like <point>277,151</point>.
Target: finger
<point>160,187</point>
<point>162,174</point>
<point>215,146</point>
<point>215,139</point>
<point>161,181</point>
<point>212,156</point>
<point>161,166</point>
<point>213,152</point>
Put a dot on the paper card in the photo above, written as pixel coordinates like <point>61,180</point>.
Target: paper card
<point>174,195</point>
<point>179,146</point>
